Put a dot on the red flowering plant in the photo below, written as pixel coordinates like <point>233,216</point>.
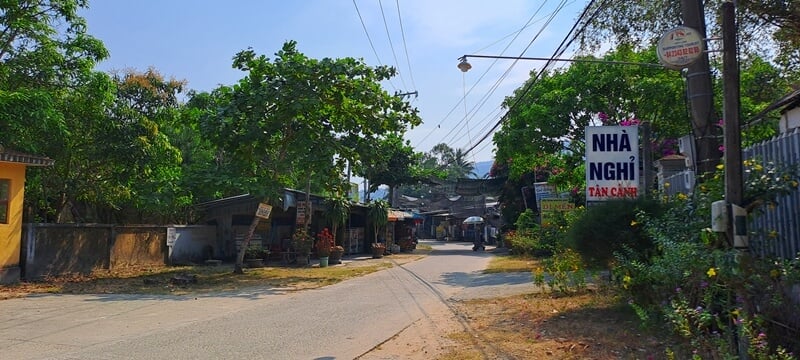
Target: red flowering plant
<point>324,243</point>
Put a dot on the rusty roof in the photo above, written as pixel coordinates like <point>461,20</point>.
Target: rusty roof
<point>11,156</point>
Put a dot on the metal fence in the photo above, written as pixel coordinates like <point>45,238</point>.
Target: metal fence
<point>774,230</point>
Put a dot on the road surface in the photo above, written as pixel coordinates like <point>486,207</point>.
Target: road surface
<point>343,321</point>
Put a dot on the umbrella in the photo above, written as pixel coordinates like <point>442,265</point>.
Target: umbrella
<point>474,220</point>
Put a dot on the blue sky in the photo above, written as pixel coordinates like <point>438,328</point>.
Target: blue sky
<point>195,40</point>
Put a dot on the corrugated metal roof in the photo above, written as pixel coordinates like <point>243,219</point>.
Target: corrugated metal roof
<point>23,158</point>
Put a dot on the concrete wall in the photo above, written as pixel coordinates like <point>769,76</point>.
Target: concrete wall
<point>11,231</point>
<point>192,244</point>
<point>55,249</point>
<point>138,246</point>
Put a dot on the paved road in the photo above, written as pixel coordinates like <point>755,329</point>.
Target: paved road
<point>342,321</point>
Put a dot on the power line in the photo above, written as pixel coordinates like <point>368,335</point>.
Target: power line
<point>516,59</point>
<point>405,47</point>
<point>364,26</point>
<point>560,50</point>
<point>489,68</point>
<point>391,44</point>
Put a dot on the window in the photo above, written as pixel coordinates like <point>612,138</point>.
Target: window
<point>5,187</point>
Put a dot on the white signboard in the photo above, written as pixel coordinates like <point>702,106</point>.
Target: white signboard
<point>612,162</point>
<point>172,236</point>
<point>680,47</point>
<point>263,210</point>
<point>543,191</point>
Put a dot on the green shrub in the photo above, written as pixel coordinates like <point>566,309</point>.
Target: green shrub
<point>610,227</point>
<point>564,272</point>
<point>707,292</point>
<point>536,240</point>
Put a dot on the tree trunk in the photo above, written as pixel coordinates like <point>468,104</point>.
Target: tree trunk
<point>238,268</point>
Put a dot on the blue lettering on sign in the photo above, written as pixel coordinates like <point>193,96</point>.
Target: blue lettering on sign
<point>611,171</point>
<point>611,142</point>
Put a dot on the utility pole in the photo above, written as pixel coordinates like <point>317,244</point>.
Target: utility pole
<point>700,94</point>
<point>403,95</point>
<point>734,186</point>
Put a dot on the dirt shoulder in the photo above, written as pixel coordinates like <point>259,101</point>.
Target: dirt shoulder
<point>200,279</point>
<point>591,325</point>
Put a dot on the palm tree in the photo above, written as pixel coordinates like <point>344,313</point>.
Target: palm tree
<point>460,167</point>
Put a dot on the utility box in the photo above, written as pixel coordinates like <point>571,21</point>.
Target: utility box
<point>719,222</point>
<point>719,216</point>
<point>740,240</point>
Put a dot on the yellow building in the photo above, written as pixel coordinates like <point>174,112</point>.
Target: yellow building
<point>12,191</point>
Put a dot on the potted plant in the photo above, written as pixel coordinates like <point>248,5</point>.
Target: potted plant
<point>337,212</point>
<point>301,244</point>
<point>407,245</point>
<point>324,245</point>
<point>336,254</point>
<point>378,215</point>
<point>377,250</point>
<point>254,256</point>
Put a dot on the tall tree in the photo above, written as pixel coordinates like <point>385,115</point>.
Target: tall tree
<point>548,115</point>
<point>39,64</point>
<point>392,162</point>
<point>763,28</point>
<point>762,24</point>
<point>294,118</point>
<point>48,91</point>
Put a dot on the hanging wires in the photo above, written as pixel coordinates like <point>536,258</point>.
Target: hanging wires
<point>371,44</point>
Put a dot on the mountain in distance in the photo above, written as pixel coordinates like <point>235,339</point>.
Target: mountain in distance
<point>482,168</point>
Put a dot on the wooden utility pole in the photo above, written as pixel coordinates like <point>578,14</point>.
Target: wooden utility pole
<point>700,95</point>
<point>734,187</point>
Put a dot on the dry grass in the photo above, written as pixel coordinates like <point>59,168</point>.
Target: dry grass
<point>511,263</point>
<point>594,324</point>
<point>210,279</point>
<point>591,325</point>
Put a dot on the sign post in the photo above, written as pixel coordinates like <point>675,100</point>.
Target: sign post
<point>680,47</point>
<point>264,210</point>
<point>301,213</point>
<point>612,162</point>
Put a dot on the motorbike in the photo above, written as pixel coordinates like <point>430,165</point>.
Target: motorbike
<point>477,244</point>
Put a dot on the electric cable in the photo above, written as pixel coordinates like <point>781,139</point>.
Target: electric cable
<point>371,44</point>
<point>391,44</point>
<point>505,74</point>
<point>489,68</point>
<point>527,88</point>
<point>405,46</point>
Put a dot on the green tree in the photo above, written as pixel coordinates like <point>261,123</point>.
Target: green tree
<point>49,95</point>
<point>453,162</point>
<point>392,162</point>
<point>39,64</point>
<point>337,210</point>
<point>764,26</point>
<point>144,119</point>
<point>296,118</point>
<point>546,123</point>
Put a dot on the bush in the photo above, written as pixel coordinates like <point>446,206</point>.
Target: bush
<point>526,242</point>
<point>610,227</point>
<point>707,292</point>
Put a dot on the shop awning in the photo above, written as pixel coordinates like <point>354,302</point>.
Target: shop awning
<point>399,215</point>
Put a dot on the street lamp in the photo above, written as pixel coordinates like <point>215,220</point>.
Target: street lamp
<point>464,65</point>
